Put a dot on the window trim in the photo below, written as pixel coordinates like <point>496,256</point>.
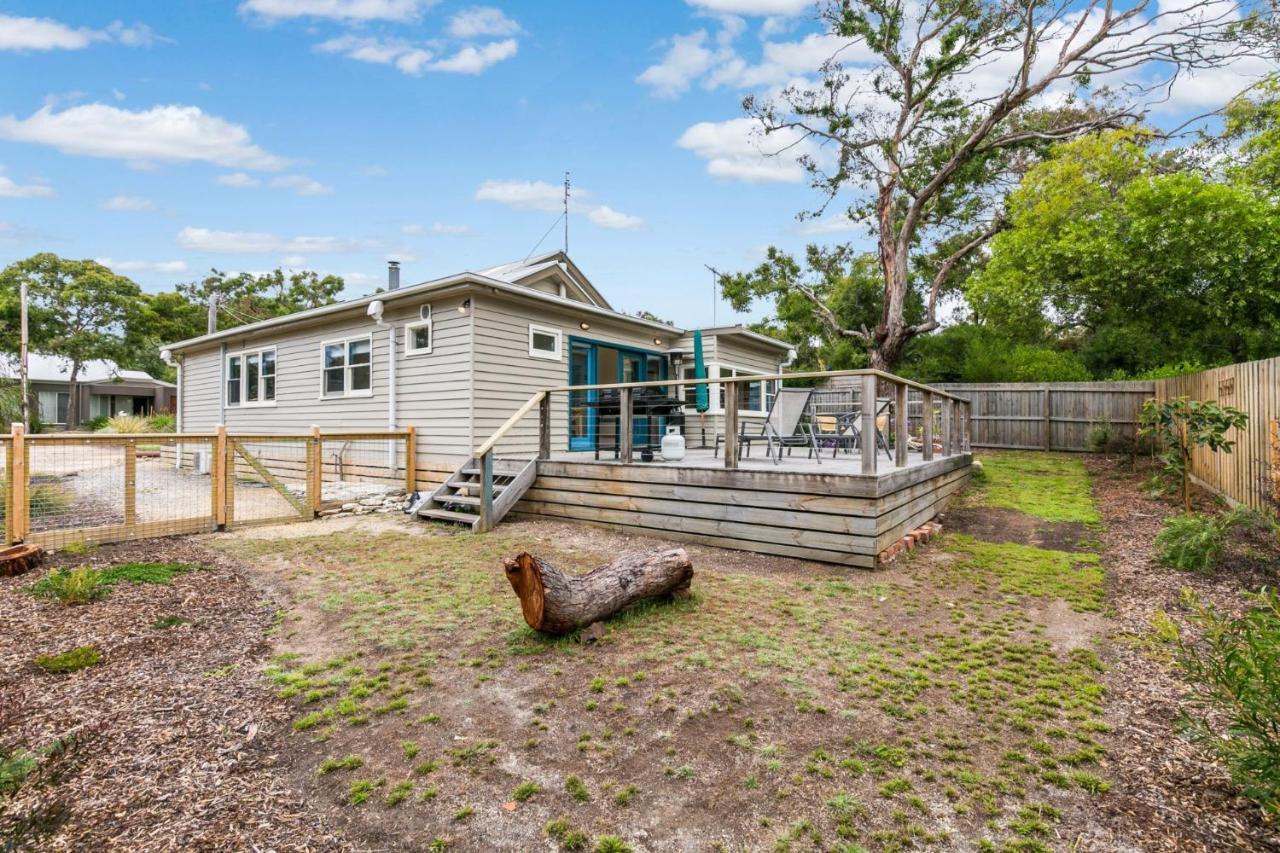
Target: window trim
<point>545,354</point>
<point>244,402</point>
<point>346,367</point>
<point>409,348</point>
<point>716,395</point>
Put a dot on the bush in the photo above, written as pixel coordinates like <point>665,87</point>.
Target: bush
<point>1234,672</point>
<point>72,586</point>
<point>128,424</point>
<point>1191,542</point>
<point>75,660</point>
<point>97,424</point>
<point>162,423</point>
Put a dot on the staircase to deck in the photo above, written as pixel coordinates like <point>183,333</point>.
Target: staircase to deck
<point>461,499</point>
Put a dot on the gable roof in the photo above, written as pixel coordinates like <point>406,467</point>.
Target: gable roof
<point>555,265</point>
<point>42,367</point>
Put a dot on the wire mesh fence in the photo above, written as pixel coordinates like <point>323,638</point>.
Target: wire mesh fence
<point>95,488</point>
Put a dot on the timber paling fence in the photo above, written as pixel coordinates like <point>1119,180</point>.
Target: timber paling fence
<point>1050,416</point>
<point>67,488</point>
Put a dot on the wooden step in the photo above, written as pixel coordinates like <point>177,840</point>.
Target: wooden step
<point>498,488</point>
<point>469,500</point>
<point>448,515</point>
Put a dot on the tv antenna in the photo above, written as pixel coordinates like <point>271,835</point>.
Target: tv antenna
<point>566,213</point>
<point>715,291</point>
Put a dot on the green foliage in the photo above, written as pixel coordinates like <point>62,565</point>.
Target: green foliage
<point>350,762</point>
<point>1234,710</point>
<point>577,789</point>
<point>72,587</point>
<point>1024,570</point>
<point>127,424</point>
<point>1190,542</point>
<point>526,791</point>
<point>11,407</point>
<point>15,766</point>
<point>612,844</point>
<point>74,660</point>
<point>1182,425</point>
<point>162,573</point>
<point>162,423</point>
<point>1054,488</point>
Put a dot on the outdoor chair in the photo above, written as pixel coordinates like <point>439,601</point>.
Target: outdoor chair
<point>836,432</point>
<point>783,427</point>
<point>854,422</point>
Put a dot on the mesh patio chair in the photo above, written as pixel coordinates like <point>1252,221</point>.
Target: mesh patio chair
<point>783,427</point>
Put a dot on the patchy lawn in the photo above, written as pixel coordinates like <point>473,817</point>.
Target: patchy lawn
<point>370,684</point>
<point>953,700</point>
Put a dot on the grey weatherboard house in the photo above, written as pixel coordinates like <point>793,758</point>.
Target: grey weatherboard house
<point>454,357</point>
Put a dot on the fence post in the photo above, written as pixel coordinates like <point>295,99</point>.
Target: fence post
<point>410,459</point>
<point>17,514</point>
<point>948,431</point>
<point>1047,437</point>
<point>218,470</point>
<point>730,424</point>
<point>315,473</point>
<point>626,436</point>
<point>868,423</point>
<point>130,483</point>
<point>902,427</point>
<point>927,437</point>
<point>486,492</point>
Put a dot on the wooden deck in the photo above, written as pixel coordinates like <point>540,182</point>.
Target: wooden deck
<point>827,511</point>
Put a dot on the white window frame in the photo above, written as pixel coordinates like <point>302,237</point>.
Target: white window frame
<point>409,328</point>
<point>346,342</point>
<point>546,330</point>
<point>716,370</point>
<point>244,402</point>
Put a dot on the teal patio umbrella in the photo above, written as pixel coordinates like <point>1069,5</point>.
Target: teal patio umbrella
<point>702,400</point>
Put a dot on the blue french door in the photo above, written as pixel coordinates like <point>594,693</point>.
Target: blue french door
<point>593,363</point>
<point>582,415</point>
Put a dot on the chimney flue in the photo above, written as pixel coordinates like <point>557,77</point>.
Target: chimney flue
<point>393,275</point>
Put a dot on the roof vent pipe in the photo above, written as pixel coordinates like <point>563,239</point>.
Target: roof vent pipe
<point>393,275</point>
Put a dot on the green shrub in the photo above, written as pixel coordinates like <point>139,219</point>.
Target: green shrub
<point>15,767</point>
<point>97,424</point>
<point>162,423</point>
<point>77,659</point>
<point>1234,709</point>
<point>128,424</point>
<point>1191,542</point>
<point>71,586</point>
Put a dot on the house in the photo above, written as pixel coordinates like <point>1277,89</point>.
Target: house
<point>454,357</point>
<point>104,389</point>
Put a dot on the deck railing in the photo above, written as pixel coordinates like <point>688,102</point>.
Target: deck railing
<point>945,417</point>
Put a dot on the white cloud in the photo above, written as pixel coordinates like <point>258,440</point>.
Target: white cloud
<point>173,133</point>
<point>239,180</point>
<point>128,202</point>
<point>735,151</point>
<point>687,59</point>
<point>293,261</point>
<point>301,184</point>
<point>262,243</point>
<point>607,217</point>
<point>473,60</point>
<point>549,198</point>
<point>833,224</point>
<point>9,188</point>
<point>144,266</point>
<point>482,21</point>
<point>784,8</point>
<point>340,10</point>
<point>21,34</point>
<point>415,230</point>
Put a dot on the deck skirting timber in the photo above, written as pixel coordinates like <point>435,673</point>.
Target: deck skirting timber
<point>843,519</point>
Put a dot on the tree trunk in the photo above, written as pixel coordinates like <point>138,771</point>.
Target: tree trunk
<point>556,603</point>
<point>73,387</point>
<point>18,559</point>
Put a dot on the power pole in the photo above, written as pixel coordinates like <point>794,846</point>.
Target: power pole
<point>22,355</point>
<point>566,213</point>
<point>211,325</point>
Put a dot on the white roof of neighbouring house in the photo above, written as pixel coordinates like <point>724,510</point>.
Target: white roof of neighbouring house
<point>51,368</point>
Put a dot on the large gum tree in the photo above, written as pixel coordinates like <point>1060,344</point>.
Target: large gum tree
<point>933,108</point>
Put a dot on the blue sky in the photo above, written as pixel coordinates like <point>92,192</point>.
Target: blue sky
<point>170,137</point>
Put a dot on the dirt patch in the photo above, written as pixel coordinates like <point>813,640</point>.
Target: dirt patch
<point>1168,789</point>
<point>994,524</point>
<point>171,742</point>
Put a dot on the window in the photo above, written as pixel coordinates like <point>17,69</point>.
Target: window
<point>348,367</point>
<point>417,336</point>
<point>53,406</point>
<point>752,396</point>
<point>544,342</point>
<point>251,378</point>
<point>689,392</point>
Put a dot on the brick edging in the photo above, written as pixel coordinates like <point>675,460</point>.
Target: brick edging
<point>921,534</point>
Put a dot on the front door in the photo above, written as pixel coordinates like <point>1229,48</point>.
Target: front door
<point>582,414</point>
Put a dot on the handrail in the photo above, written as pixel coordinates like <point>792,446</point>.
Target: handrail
<point>814,374</point>
<point>510,422</point>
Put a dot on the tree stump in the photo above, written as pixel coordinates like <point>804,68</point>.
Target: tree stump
<point>556,603</point>
<point>18,559</point>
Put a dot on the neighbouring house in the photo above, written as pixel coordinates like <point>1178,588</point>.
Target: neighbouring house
<point>455,357</point>
<point>104,389</point>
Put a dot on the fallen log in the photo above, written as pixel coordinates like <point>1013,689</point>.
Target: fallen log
<point>18,559</point>
<point>556,603</point>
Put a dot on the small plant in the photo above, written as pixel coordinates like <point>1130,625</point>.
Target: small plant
<point>75,660</point>
<point>464,813</point>
<point>163,622</point>
<point>361,789</point>
<point>1180,426</point>
<point>1190,542</point>
<point>612,844</point>
<point>350,762</point>
<point>15,767</point>
<point>561,830</point>
<point>1234,672</point>
<point>127,424</point>
<point>73,587</point>
<point>410,750</point>
<point>623,796</point>
<point>526,791</point>
<point>399,793</point>
<point>577,789</point>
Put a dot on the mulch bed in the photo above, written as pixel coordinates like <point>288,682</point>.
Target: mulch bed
<point>173,741</point>
<point>1168,791</point>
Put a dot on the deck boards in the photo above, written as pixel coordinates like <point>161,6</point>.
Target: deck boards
<point>826,513</point>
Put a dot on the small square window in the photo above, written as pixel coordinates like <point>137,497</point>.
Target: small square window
<point>417,337</point>
<point>544,342</point>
